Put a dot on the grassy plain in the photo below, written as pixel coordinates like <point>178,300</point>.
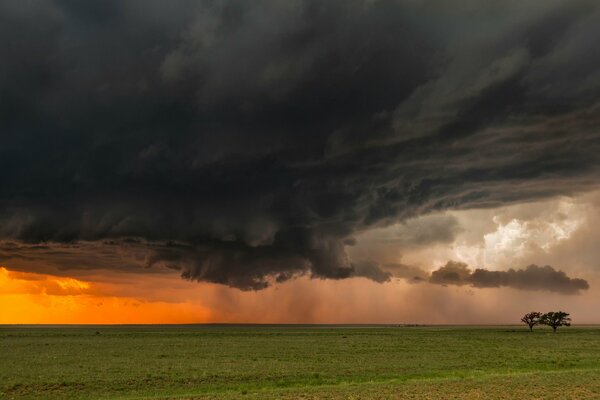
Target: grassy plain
<point>310,362</point>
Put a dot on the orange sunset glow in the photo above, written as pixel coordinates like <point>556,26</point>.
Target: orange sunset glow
<point>29,298</point>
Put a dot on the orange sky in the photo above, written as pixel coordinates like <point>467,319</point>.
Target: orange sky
<point>29,298</point>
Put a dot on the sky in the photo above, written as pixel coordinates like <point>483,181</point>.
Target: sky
<point>355,161</point>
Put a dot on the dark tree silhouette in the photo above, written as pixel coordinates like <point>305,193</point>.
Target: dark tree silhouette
<point>532,319</point>
<point>556,319</point>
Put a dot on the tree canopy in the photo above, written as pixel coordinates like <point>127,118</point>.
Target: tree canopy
<point>556,319</point>
<point>532,319</point>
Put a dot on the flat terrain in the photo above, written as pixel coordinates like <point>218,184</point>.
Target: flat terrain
<point>310,362</point>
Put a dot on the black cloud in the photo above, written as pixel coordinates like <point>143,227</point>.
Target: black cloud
<point>247,142</point>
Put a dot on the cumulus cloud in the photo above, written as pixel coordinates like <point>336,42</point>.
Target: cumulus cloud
<point>531,277</point>
<point>248,143</point>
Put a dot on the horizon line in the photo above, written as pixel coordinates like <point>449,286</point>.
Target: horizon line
<point>257,324</point>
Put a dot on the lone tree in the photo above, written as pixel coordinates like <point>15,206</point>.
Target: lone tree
<point>556,319</point>
<point>532,319</point>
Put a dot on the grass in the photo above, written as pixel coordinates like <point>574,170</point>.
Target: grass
<point>216,362</point>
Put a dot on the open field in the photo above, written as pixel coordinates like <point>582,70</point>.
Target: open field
<point>222,362</point>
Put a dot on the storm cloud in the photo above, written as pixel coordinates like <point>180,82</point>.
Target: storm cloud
<point>246,143</point>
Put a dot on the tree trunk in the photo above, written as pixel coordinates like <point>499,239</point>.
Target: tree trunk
<point>554,329</point>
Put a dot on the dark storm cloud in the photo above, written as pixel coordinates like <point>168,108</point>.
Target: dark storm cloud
<point>80,259</point>
<point>417,232</point>
<point>531,277</point>
<point>247,142</point>
<point>371,270</point>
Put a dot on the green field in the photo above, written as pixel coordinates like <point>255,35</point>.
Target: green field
<point>222,362</point>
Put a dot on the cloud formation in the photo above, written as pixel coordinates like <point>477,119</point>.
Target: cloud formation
<point>248,143</point>
<point>531,277</point>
